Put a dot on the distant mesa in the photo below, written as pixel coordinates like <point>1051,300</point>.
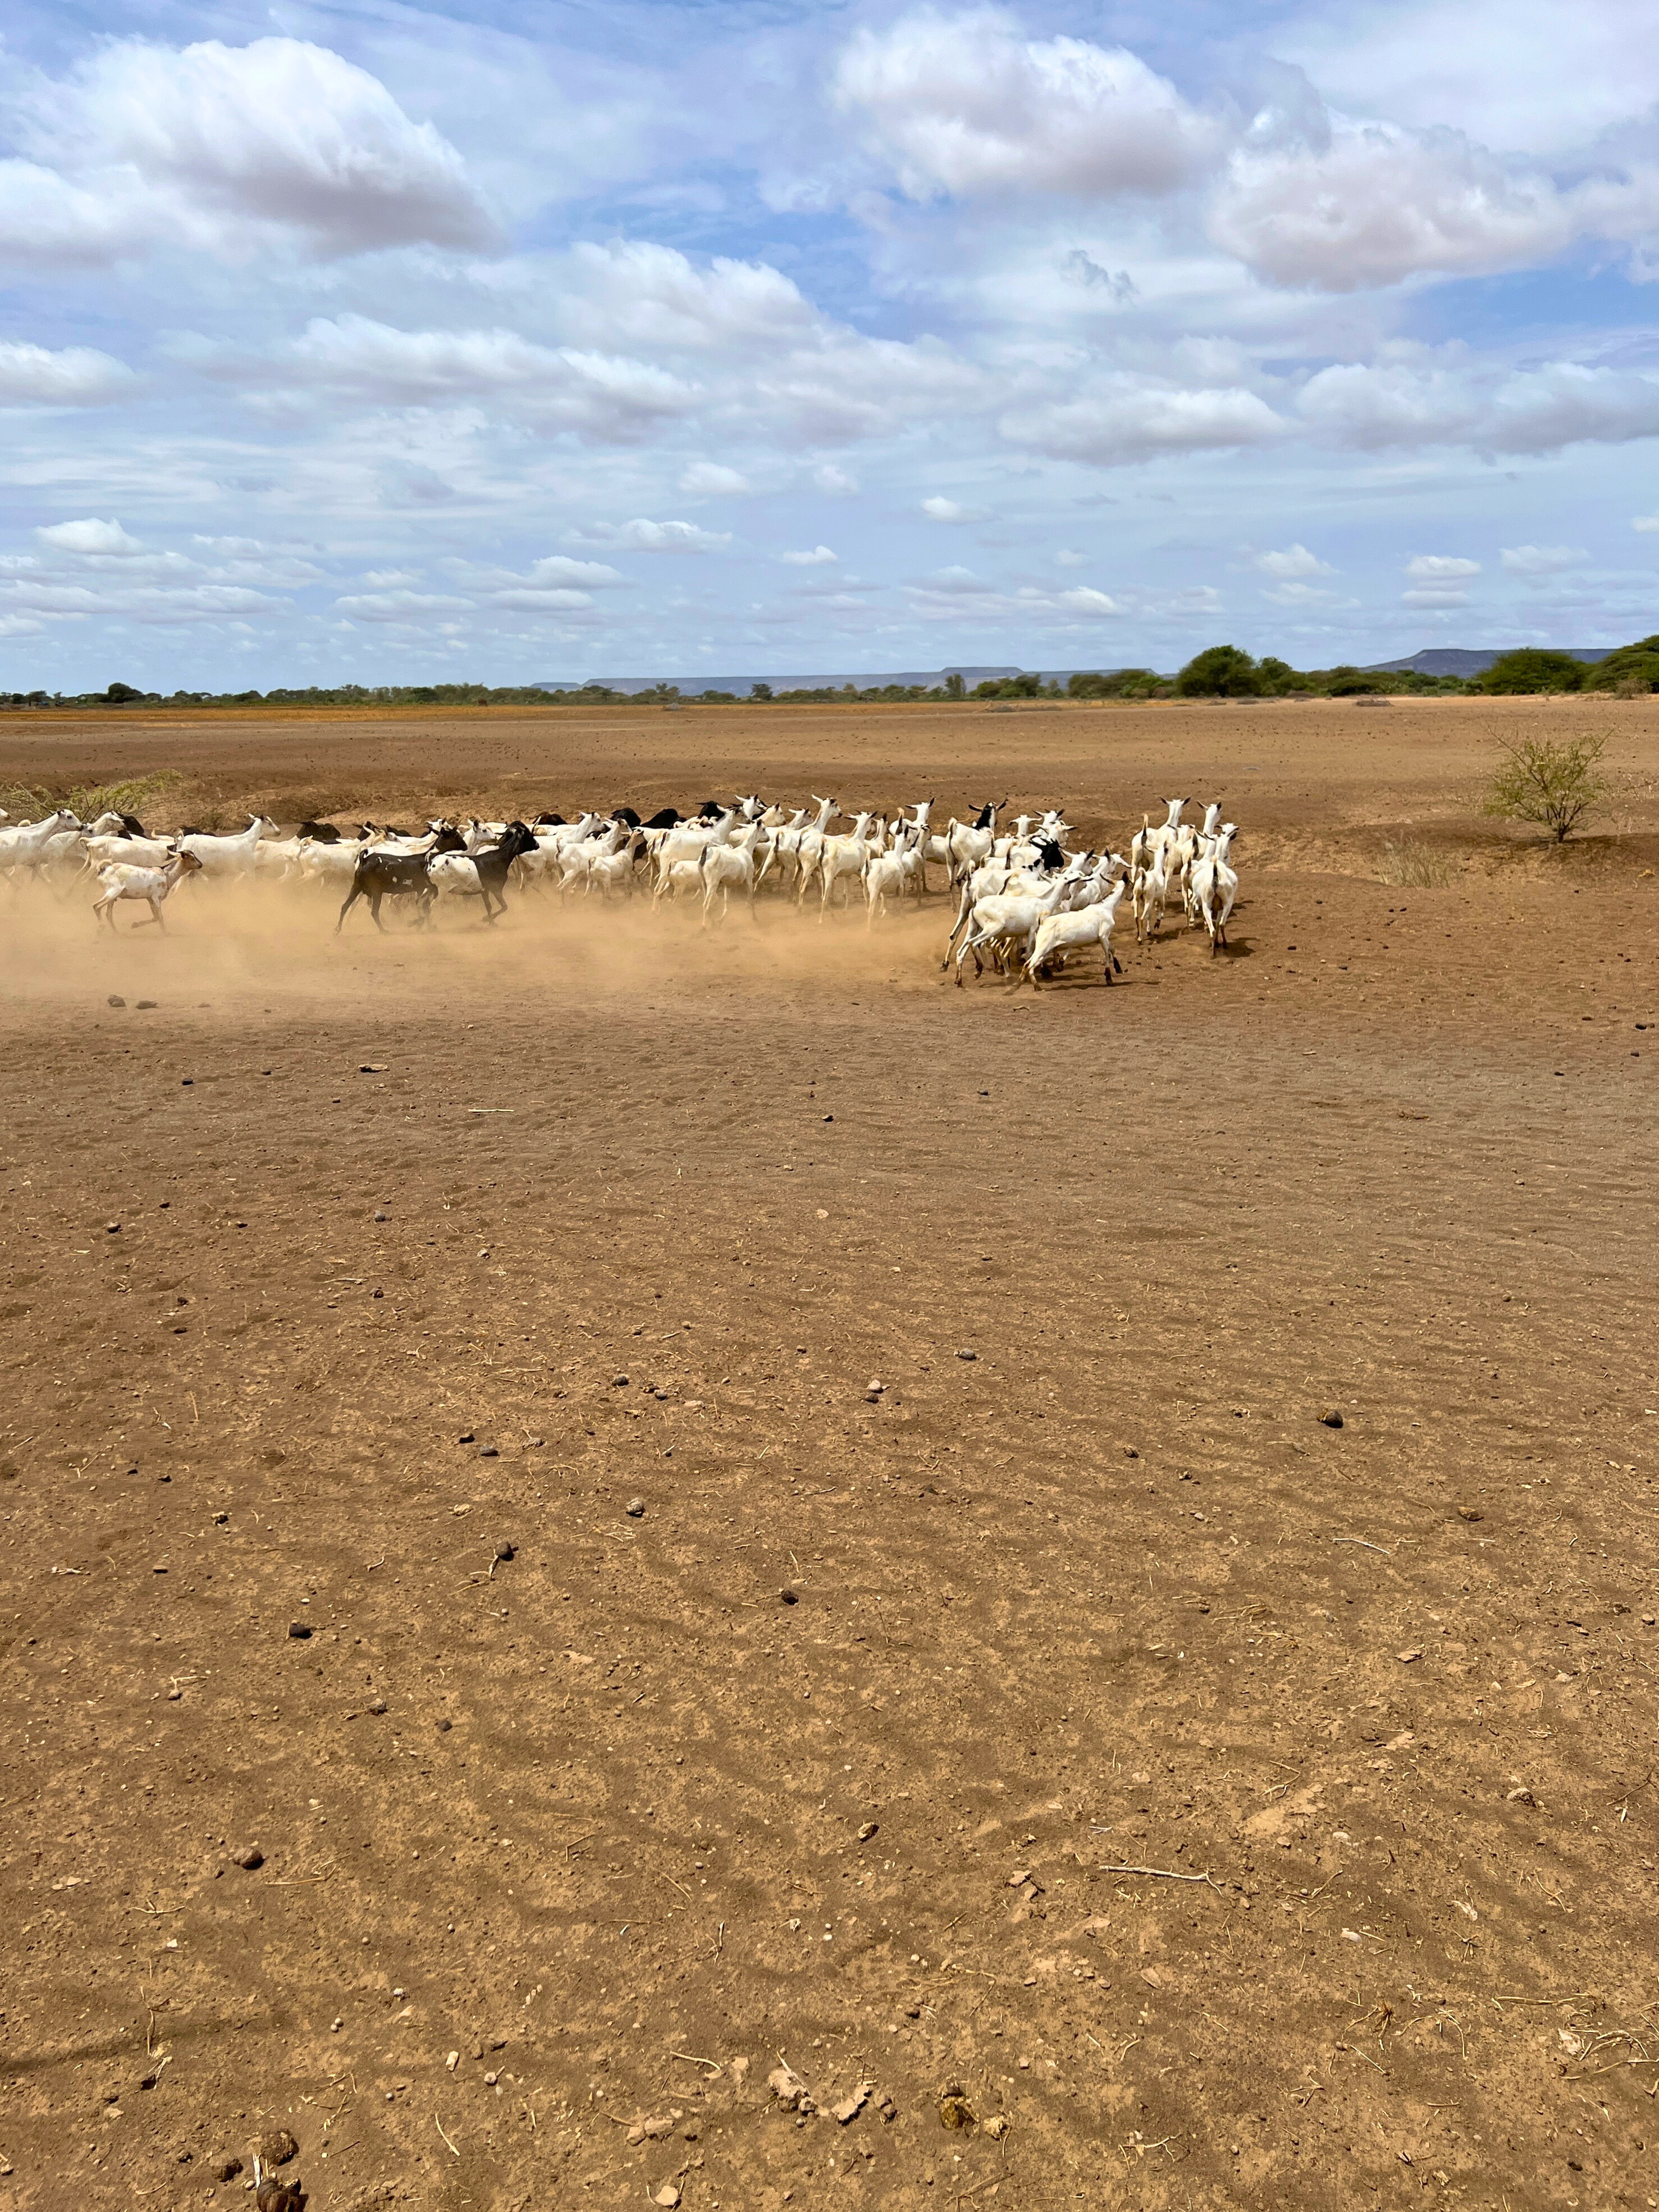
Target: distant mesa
<point>692,687</point>
<point>1460,661</point>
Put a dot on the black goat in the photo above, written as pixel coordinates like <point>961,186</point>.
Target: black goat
<point>378,876</point>
<point>549,822</point>
<point>495,863</point>
<point>666,817</point>
<point>321,833</point>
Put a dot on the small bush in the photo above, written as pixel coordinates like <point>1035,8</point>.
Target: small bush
<point>1553,782</point>
<point>1414,865</point>
<point>131,796</point>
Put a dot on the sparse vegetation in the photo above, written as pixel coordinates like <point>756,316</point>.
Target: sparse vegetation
<point>1412,865</point>
<point>1553,782</point>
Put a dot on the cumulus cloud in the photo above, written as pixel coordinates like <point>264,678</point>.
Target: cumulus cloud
<point>1541,560</point>
<point>820,556</point>
<point>950,593</point>
<point>1123,420</point>
<point>1292,563</point>
<point>713,479</point>
<point>835,481</point>
<point>76,376</point>
<point>1438,579</point>
<point>605,398</point>
<point>642,535</point>
<point>1068,556</point>
<point>641,294</point>
<point>1644,522</point>
<point>89,536</point>
<point>938,509</point>
<point>1371,203</point>
<point>961,104</point>
<point>226,149</point>
<point>1418,402</point>
<point>398,606</point>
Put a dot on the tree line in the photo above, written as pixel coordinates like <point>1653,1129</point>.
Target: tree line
<point>1220,671</point>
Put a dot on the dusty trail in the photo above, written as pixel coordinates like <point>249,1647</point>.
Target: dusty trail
<point>1107,1595</point>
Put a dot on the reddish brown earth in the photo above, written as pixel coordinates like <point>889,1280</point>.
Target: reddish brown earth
<point>1376,1704</point>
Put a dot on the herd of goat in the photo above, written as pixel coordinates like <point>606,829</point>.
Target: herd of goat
<point>1024,901</point>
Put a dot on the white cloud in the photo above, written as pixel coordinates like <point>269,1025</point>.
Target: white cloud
<point>77,376</point>
<point>1081,600</point>
<point>1541,560</point>
<point>1440,568</point>
<point>819,558</point>
<point>643,536</point>
<point>639,294</point>
<point>1424,402</point>
<point>1123,420</point>
<point>386,579</point>
<point>835,481</point>
<point>961,104</point>
<point>1438,579</point>
<point>223,149</point>
<point>397,606</point>
<point>713,479</point>
<point>1644,522</point>
<point>938,509</point>
<point>1292,562</point>
<point>1069,557</point>
<point>89,536</point>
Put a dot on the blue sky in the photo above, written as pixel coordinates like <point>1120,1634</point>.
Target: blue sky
<point>380,342</point>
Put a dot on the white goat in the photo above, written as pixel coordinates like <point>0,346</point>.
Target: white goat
<point>1059,934</point>
<point>227,856</point>
<point>1215,886</point>
<point>120,882</point>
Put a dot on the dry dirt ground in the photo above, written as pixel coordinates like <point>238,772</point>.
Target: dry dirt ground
<point>1230,1809</point>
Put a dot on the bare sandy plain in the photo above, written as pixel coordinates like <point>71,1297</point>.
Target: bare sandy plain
<point>1223,1808</point>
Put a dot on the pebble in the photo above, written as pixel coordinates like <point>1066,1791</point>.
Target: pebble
<point>276,2148</point>
<point>868,1830</point>
<point>380,1217</point>
<point>112,1229</point>
<point>635,1508</point>
<point>1332,1420</point>
<point>226,2168</point>
<point>444,1727</point>
<point>967,1355</point>
<point>487,1451</point>
<point>373,1067</point>
<point>619,1382</point>
<point>115,1000</point>
<point>503,1550</point>
<point>248,1859</point>
<point>1520,1797</point>
<point>468,1438</point>
<point>220,1520</point>
<point>146,1005</point>
<point>788,1597</point>
<point>874,1385</point>
<point>377,1705</point>
<point>1406,1658</point>
<point>453,2060</point>
<point>1470,1513</point>
<point>299,1631</point>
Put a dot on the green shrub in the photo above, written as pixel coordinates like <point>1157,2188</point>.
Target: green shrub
<point>1553,782</point>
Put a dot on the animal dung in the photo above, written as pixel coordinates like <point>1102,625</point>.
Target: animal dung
<point>276,2148</point>
<point>954,2109</point>
<point>299,1631</point>
<point>788,1597</point>
<point>503,1550</point>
